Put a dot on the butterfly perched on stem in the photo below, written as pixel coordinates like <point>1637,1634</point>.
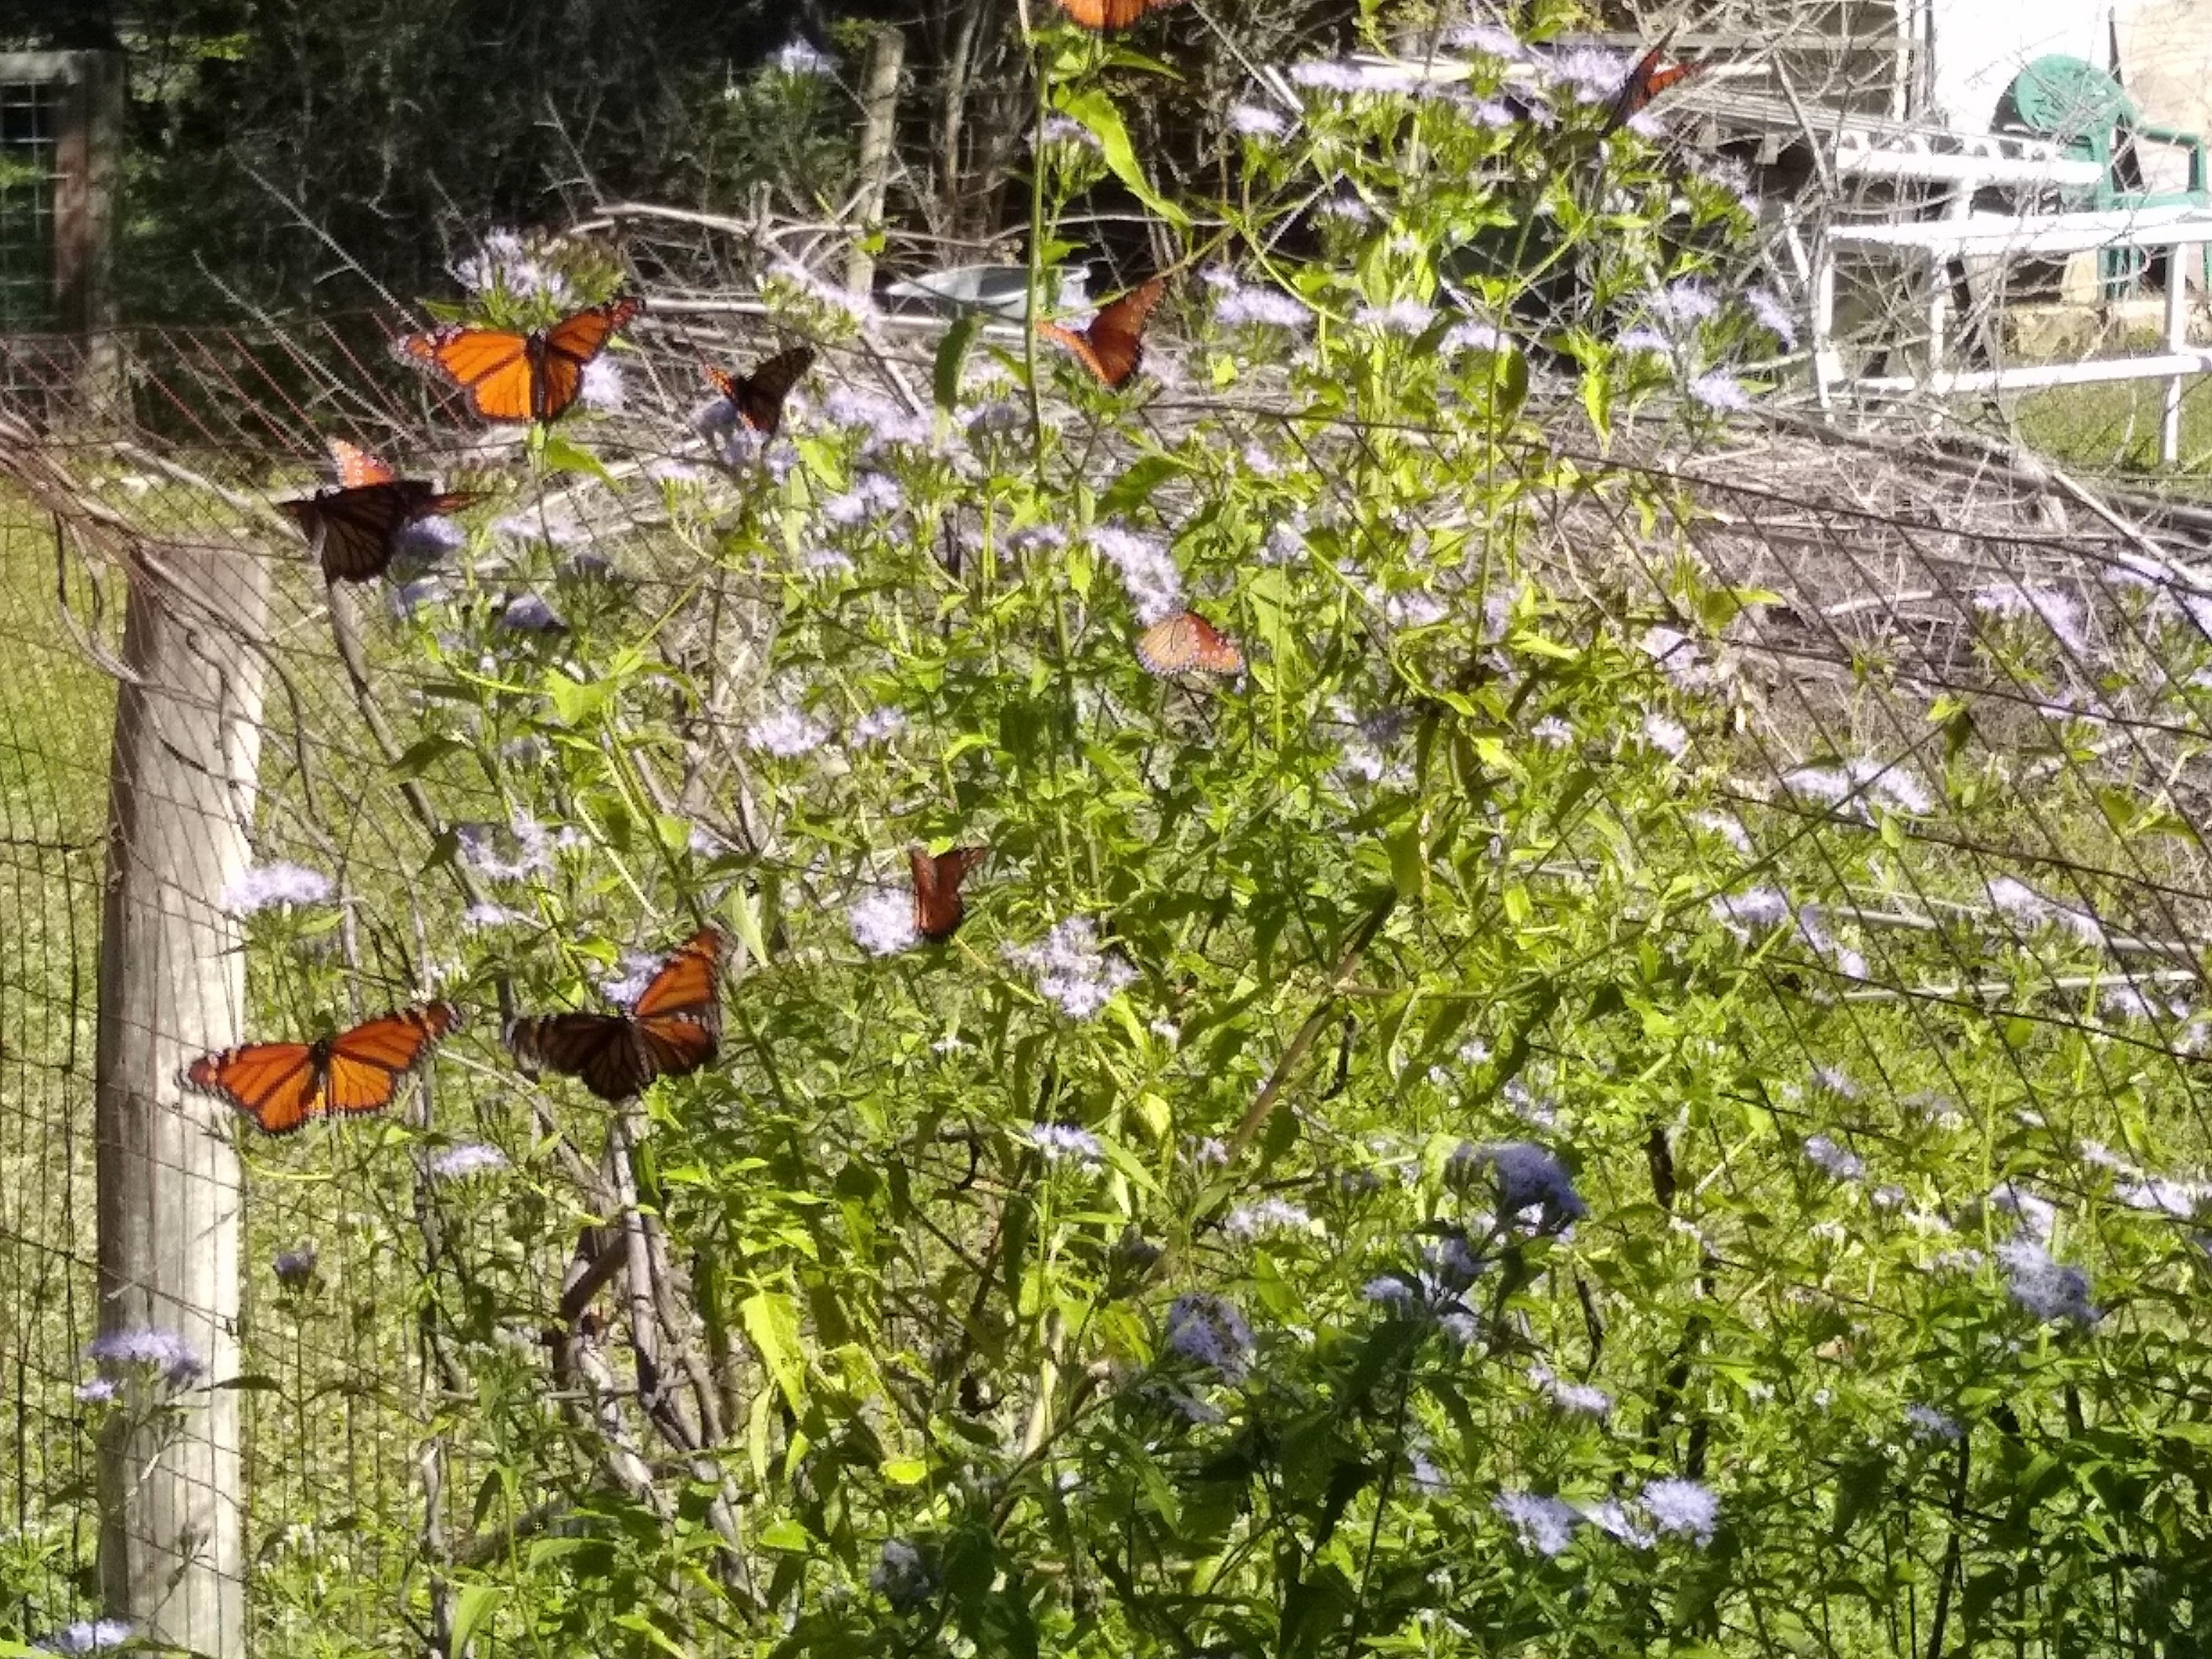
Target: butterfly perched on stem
<point>1112,345</point>
<point>1644,82</point>
<point>1112,14</point>
<point>673,1028</point>
<point>758,397</point>
<point>354,528</point>
<point>1186,643</point>
<point>510,375</point>
<point>938,906</point>
<point>284,1085</point>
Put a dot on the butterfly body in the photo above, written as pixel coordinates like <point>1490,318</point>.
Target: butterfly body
<point>283,1086</point>
<point>1645,83</point>
<point>1112,346</point>
<point>1112,14</point>
<point>354,528</point>
<point>510,375</point>
<point>1186,643</point>
<point>758,397</point>
<point>674,1027</point>
<point>939,909</point>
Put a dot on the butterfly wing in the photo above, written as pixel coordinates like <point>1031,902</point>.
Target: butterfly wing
<point>939,909</point>
<point>1187,643</point>
<point>1111,14</point>
<point>351,530</point>
<point>599,1050</point>
<point>356,467</point>
<point>1644,82</point>
<point>563,353</point>
<point>368,1064</point>
<point>1112,345</point>
<point>679,1013</point>
<point>494,366</point>
<point>278,1085</point>
<point>758,397</point>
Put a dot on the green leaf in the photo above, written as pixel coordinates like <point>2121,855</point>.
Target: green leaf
<point>425,753</point>
<point>1095,111</point>
<point>575,701</point>
<point>744,911</point>
<point>905,1471</point>
<point>951,353</point>
<point>565,455</point>
<point>771,1322</point>
<point>471,1607</point>
<point>1135,488</point>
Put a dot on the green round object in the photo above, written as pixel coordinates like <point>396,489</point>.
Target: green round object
<point>2063,97</point>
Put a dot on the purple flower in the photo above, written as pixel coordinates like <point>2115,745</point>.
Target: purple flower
<point>466,1158</point>
<point>1399,316</point>
<point>1059,129</point>
<point>799,56</point>
<point>880,422</point>
<point>1773,316</point>
<point>529,613</point>
<point>1833,1079</point>
<point>1425,1478</point>
<point>1833,1160</point>
<point>786,732</point>
<point>294,1267</point>
<point>1926,1423</point>
<point>1474,335</point>
<point>1147,569</point>
<point>1644,339</point>
<point>1057,1142</point>
<point>825,564</point>
<point>2057,610</point>
<point>1594,73</point>
<point>1268,1215</point>
<point>1529,1177</point>
<point>428,537</point>
<point>1259,307</point>
<point>1488,38</point>
<point>1681,305</point>
<point>883,924</point>
<point>1345,78</point>
<point>480,916</point>
<point>1579,1399</point>
<point>1252,121</point>
<point>1210,1330</point>
<point>1544,1523</point>
<point>1344,206</point>
<point>1072,969</point>
<point>1683,1508</point>
<point>2049,1290</point>
<point>87,1636</point>
<point>158,1349</point>
<point>1209,1154</point>
<point>259,886</point>
<point>1757,908</point>
<point>602,386</point>
<point>1720,391</point>
<point>1666,733</point>
<point>2035,1217</point>
<point>877,726</point>
<point>858,308</point>
<point>96,1391</point>
<point>502,262</point>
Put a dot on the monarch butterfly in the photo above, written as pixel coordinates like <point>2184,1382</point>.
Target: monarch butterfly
<point>355,527</point>
<point>1112,14</point>
<point>512,376</point>
<point>938,909</point>
<point>1645,82</point>
<point>283,1086</point>
<point>758,397</point>
<point>1112,346</point>
<point>673,1028</point>
<point>1187,643</point>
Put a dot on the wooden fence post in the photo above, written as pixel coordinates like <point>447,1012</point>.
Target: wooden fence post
<point>173,984</point>
<point>87,146</point>
<point>880,81</point>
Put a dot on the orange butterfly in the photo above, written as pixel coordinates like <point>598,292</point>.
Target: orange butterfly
<point>1645,82</point>
<point>1112,346</point>
<point>355,527</point>
<point>1187,643</point>
<point>512,376</point>
<point>674,1027</point>
<point>282,1085</point>
<point>758,397</point>
<point>1112,14</point>
<point>938,908</point>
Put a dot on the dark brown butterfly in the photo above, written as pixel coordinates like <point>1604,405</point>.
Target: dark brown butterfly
<point>1645,82</point>
<point>758,397</point>
<point>674,1027</point>
<point>510,375</point>
<point>354,529</point>
<point>938,908</point>
<point>284,1085</point>
<point>1112,14</point>
<point>1112,345</point>
<point>1187,643</point>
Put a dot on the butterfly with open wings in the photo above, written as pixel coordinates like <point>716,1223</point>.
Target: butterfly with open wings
<point>1112,14</point>
<point>757,398</point>
<point>1112,346</point>
<point>354,529</point>
<point>510,375</point>
<point>673,1028</point>
<point>282,1086</point>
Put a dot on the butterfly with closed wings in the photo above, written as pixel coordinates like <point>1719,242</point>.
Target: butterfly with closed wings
<point>1112,14</point>
<point>1644,82</point>
<point>673,1028</point>
<point>1186,643</point>
<point>939,909</point>
<point>354,529</point>
<point>283,1086</point>
<point>510,375</point>
<point>1112,346</point>
<point>757,398</point>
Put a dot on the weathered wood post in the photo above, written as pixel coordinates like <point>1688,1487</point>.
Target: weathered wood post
<point>172,985</point>
<point>879,83</point>
<point>87,149</point>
